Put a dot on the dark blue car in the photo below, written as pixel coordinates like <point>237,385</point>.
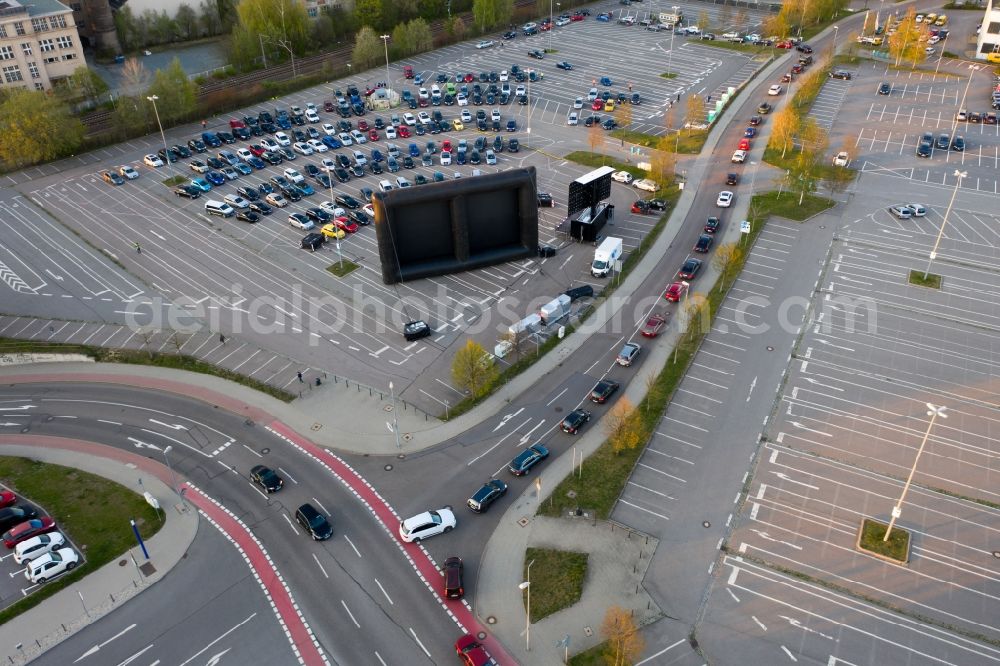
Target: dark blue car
<point>215,177</point>
<point>527,459</point>
<point>332,142</point>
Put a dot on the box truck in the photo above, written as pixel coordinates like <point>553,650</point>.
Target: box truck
<point>605,256</point>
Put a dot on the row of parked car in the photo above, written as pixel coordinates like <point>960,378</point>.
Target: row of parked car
<point>36,544</point>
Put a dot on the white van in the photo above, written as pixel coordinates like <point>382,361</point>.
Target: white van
<point>605,256</point>
<point>219,208</point>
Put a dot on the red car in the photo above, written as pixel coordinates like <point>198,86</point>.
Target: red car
<point>469,78</point>
<point>546,26</point>
<point>471,652</point>
<point>363,125</point>
<point>744,144</point>
<point>675,292</point>
<point>654,325</point>
<point>598,104</point>
<point>785,44</point>
<point>370,92</point>
<point>28,529</point>
<point>346,224</point>
<point>446,146</point>
<point>408,71</point>
<point>577,17</point>
<point>257,149</point>
<point>423,102</point>
<point>7,498</point>
<point>373,135</point>
<point>797,69</point>
<point>403,132</point>
<point>328,106</point>
<point>236,124</point>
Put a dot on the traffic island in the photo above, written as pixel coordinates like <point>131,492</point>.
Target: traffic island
<point>871,540</point>
<point>342,268</point>
<point>921,279</point>
<point>556,580</point>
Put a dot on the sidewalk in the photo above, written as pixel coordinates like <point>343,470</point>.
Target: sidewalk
<point>40,628</point>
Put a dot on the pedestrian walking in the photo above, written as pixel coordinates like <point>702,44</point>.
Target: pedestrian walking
<point>204,124</point>
<point>678,97</point>
<point>138,248</point>
<point>222,338</point>
<point>300,377</point>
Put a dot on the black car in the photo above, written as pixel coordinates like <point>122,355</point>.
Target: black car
<point>265,188</point>
<point>603,390</point>
<point>841,74</point>
<point>538,55</point>
<point>658,205</point>
<point>266,478</point>
<point>324,180</point>
<point>408,163</point>
<point>247,215</point>
<point>689,269</point>
<point>241,133</point>
<point>574,421</point>
<point>454,587</point>
<point>564,65</point>
<point>712,225</point>
<point>216,163</point>
<point>167,155</point>
<point>15,515</point>
<point>312,241</point>
<point>318,215</point>
<point>359,217</point>
<point>314,522</point>
<point>347,201</point>
<point>490,492</point>
<point>924,149</point>
<point>226,137</point>
<point>544,198</point>
<point>732,178</point>
<point>182,151</point>
<point>260,208</point>
<point>958,144</point>
<point>943,141</point>
<point>765,108</point>
<point>248,192</point>
<point>187,191</point>
<point>609,124</point>
<point>341,174</point>
<point>546,251</point>
<point>291,193</point>
<point>510,34</point>
<point>414,330</point>
<point>636,98</point>
<point>527,459</point>
<point>584,291</point>
<point>197,145</point>
<point>592,120</point>
<point>884,88</point>
<point>804,48</point>
<point>357,171</point>
<point>274,159</point>
<point>513,146</point>
<point>474,157</point>
<point>704,243</point>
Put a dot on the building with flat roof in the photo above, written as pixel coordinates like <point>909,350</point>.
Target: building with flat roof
<point>988,40</point>
<point>38,44</point>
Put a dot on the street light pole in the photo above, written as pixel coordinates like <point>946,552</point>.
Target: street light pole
<point>833,44</point>
<point>526,585</point>
<point>395,421</point>
<point>166,151</point>
<point>173,477</point>
<point>932,412</point>
<point>961,105</point>
<point>385,42</point>
<point>959,175</point>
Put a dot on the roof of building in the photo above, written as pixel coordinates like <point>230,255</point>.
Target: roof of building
<point>33,8</point>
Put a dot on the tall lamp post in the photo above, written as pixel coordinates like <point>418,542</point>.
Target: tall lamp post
<point>959,175</point>
<point>526,585</point>
<point>833,44</point>
<point>395,421</point>
<point>932,412</point>
<point>385,42</point>
<point>961,105</point>
<point>173,477</point>
<point>166,151</point>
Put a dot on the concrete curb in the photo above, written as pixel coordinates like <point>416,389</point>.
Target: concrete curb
<point>59,617</point>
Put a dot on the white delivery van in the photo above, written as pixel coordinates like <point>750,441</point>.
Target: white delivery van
<point>605,256</point>
<point>219,208</point>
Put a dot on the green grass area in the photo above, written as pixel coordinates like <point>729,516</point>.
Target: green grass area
<point>341,269</point>
<point>686,142</point>
<point>668,75</point>
<point>174,181</point>
<point>551,51</point>
<point>556,580</point>
<point>598,160</point>
<point>931,280</point>
<point>91,510</point>
<point>138,357</point>
<point>896,548</point>
<point>787,205</point>
<point>592,657</point>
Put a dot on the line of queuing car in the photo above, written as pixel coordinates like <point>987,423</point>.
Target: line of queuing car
<point>37,545</point>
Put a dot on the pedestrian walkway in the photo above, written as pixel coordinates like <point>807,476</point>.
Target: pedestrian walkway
<point>38,629</point>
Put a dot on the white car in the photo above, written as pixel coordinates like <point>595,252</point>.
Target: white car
<point>424,117</point>
<point>495,115</point>
<point>236,201</point>
<point>731,35</point>
<point>504,75</point>
<point>128,172</point>
<point>445,158</point>
<point>37,546</point>
<point>422,93</point>
<point>841,159</point>
<point>244,154</point>
<point>774,90</point>
<point>390,132</point>
<point>692,30</point>
<point>592,95</point>
<point>739,157</point>
<point>312,116</point>
<point>152,160</point>
<point>930,50</point>
<point>466,116</point>
<point>359,158</point>
<point>521,91</point>
<point>300,221</point>
<point>318,146</point>
<point>646,184</point>
<point>294,176</point>
<point>269,144</point>
<point>296,110</point>
<point>329,129</point>
<point>491,158</point>
<point>385,185</point>
<point>485,44</point>
<point>358,136</point>
<point>622,177</point>
<point>302,148</point>
<point>462,99</point>
<point>573,118</point>
<point>345,139</point>
<point>51,564</point>
<point>409,119</point>
<point>282,139</point>
<point>328,164</point>
<point>725,199</point>
<point>332,209</point>
<point>901,211</point>
<point>427,524</point>
<point>578,103</point>
<point>562,21</point>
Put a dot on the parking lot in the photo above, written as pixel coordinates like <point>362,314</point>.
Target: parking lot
<point>254,282</point>
<point>845,434</point>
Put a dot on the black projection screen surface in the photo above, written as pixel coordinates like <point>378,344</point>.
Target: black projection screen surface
<point>456,225</point>
<point>589,189</point>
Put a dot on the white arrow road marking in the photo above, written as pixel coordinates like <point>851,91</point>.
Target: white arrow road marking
<point>135,656</point>
<point>172,426</point>
<point>217,657</point>
<point>21,408</point>
<point>768,537</point>
<point>228,631</point>
<point>785,477</point>
<point>143,445</point>
<point>507,417</point>
<point>9,424</point>
<point>100,645</point>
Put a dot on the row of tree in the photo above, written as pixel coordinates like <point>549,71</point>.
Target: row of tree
<point>177,97</point>
<point>798,14</point>
<point>149,28</point>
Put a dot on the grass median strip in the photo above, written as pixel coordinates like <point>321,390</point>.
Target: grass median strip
<point>91,510</point>
<point>557,578</point>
